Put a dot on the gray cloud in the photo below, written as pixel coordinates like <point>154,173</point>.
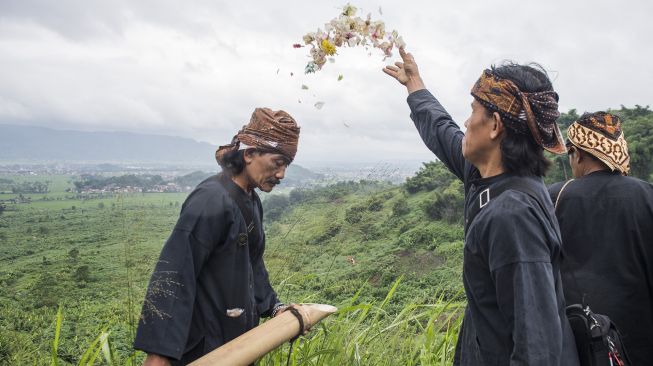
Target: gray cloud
<point>198,69</point>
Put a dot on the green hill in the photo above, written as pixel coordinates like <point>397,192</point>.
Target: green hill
<point>345,244</point>
<point>388,256</point>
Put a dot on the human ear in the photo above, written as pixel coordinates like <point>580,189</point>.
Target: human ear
<point>497,125</point>
<point>248,155</point>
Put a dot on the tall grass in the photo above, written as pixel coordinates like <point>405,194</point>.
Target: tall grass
<point>358,334</point>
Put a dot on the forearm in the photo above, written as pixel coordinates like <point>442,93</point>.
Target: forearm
<point>156,360</point>
<point>414,84</point>
<point>438,130</point>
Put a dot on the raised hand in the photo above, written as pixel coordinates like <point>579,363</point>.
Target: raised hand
<point>406,72</point>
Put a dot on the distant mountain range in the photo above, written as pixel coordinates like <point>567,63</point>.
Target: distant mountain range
<point>109,151</point>
<point>30,143</point>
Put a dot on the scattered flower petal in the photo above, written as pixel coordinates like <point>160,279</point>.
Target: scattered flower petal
<point>304,87</point>
<point>349,10</point>
<point>319,105</point>
<point>340,77</point>
<point>311,67</point>
<point>348,30</point>
<point>297,45</point>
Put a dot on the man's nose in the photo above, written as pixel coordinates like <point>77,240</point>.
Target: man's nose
<point>281,172</point>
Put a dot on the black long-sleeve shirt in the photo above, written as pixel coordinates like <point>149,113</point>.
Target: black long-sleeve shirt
<point>516,311</point>
<point>204,270</point>
<point>606,221</point>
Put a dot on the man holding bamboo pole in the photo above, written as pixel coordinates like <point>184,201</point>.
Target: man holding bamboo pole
<point>210,284</point>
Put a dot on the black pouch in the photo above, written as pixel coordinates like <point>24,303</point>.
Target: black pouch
<point>597,339</point>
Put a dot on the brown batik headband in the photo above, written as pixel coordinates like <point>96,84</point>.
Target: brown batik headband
<point>600,135</point>
<point>268,130</point>
<point>526,113</point>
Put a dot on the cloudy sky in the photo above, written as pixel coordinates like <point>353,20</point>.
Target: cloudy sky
<point>198,68</point>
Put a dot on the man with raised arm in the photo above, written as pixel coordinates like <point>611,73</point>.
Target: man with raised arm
<point>516,309</point>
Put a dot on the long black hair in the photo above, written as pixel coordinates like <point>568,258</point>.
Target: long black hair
<point>520,154</point>
<point>233,162</point>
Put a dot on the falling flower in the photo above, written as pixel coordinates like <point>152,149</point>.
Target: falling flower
<point>349,10</point>
<point>304,87</point>
<point>340,77</point>
<point>328,47</point>
<point>308,38</point>
<point>310,68</point>
<point>348,30</point>
<point>297,45</point>
<point>319,105</point>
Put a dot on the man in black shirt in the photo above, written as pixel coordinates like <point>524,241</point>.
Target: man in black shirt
<point>210,284</point>
<point>606,221</point>
<point>516,310</point>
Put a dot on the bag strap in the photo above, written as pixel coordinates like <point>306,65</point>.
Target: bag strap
<point>245,210</point>
<point>560,193</point>
<point>575,286</point>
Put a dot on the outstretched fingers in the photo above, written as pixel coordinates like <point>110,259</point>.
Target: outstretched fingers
<point>392,71</point>
<point>407,57</point>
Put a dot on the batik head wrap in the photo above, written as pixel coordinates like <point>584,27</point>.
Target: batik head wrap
<point>600,135</point>
<point>267,130</point>
<point>526,113</point>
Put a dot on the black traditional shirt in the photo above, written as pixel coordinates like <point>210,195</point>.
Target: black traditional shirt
<point>207,271</point>
<point>606,222</point>
<point>516,311</point>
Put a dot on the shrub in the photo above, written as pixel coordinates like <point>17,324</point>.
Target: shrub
<point>431,176</point>
<point>354,214</point>
<point>73,253</point>
<point>375,204</point>
<point>400,207</point>
<point>332,230</point>
<point>82,274</point>
<point>275,205</point>
<point>447,204</point>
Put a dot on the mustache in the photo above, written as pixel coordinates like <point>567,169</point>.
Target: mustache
<point>273,181</point>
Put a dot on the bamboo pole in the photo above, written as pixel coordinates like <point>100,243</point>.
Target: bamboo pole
<point>254,344</point>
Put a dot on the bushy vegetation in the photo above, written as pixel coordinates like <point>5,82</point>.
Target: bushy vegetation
<point>93,257</point>
<point>146,181</point>
<point>73,269</point>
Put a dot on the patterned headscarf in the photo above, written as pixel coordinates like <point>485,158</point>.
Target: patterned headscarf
<point>267,129</point>
<point>526,113</point>
<point>600,135</point>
